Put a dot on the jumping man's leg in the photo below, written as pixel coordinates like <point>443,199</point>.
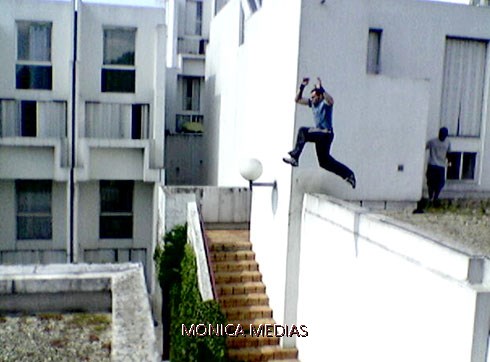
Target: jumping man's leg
<point>301,140</point>
<point>326,161</point>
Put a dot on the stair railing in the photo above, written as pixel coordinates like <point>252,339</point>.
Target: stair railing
<point>196,236</point>
<point>208,256</point>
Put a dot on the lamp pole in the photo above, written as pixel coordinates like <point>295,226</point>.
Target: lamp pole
<point>251,170</point>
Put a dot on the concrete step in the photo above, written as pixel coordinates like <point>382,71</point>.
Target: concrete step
<point>240,288</point>
<point>262,353</point>
<point>235,266</point>
<point>232,255</point>
<point>247,322</point>
<point>248,312</point>
<point>228,235</point>
<point>230,301</point>
<point>239,342</point>
<point>230,246</point>
<point>237,277</point>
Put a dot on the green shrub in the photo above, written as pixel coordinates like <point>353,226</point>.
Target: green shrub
<point>177,271</point>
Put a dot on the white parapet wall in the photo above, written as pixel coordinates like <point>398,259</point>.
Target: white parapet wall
<point>373,289</point>
<point>218,205</point>
<point>196,238</point>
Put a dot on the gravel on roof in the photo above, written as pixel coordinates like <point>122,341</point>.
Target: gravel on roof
<point>55,337</point>
<point>460,224</point>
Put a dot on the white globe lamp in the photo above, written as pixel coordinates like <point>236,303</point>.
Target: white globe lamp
<point>251,169</point>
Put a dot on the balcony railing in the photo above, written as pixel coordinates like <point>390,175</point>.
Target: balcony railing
<point>189,45</point>
<point>189,123</point>
<point>28,118</point>
<point>117,121</point>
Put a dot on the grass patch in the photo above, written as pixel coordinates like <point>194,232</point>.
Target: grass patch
<point>50,316</point>
<point>98,321</point>
<point>460,207</point>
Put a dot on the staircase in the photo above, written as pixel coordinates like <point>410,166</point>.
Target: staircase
<point>242,296</point>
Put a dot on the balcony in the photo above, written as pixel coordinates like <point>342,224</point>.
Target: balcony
<point>191,45</point>
<point>191,54</point>
<point>33,119</point>
<point>33,139</point>
<point>117,121</point>
<point>189,123</point>
<point>117,143</point>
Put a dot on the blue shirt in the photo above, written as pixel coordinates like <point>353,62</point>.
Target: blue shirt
<point>322,113</point>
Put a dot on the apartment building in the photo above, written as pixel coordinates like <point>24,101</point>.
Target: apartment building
<point>188,35</point>
<point>81,131</point>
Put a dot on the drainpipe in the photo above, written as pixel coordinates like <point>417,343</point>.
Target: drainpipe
<point>73,138</point>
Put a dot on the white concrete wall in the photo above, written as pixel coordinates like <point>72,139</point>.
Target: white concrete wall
<point>251,111</point>
<point>371,289</point>
<point>196,239</point>
<point>217,205</point>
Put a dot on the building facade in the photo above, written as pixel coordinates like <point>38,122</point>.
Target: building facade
<point>188,35</point>
<point>81,131</point>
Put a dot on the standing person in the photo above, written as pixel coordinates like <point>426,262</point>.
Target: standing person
<point>321,103</point>
<point>436,169</point>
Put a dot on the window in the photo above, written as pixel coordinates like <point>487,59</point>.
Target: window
<point>373,64</point>
<point>34,220</point>
<point>139,121</point>
<point>461,165</point>
<point>32,119</point>
<point>116,209</point>
<point>33,68</point>
<point>118,70</point>
<point>199,18</point>
<point>193,17</point>
<point>28,123</point>
<point>117,121</point>
<point>463,85</point>
<point>191,93</point>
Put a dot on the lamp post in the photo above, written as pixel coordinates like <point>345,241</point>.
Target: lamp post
<point>251,169</point>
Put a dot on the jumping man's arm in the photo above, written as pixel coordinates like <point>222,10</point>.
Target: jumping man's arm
<point>327,97</point>
<point>299,96</point>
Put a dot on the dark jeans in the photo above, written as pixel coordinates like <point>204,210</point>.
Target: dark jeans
<point>436,178</point>
<point>323,141</point>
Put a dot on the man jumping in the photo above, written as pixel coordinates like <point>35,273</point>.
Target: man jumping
<point>321,103</point>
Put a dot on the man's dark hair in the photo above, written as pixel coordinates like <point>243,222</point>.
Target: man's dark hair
<point>443,132</point>
<point>318,91</point>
